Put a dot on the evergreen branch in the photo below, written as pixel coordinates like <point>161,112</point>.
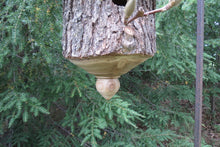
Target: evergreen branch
<point>19,16</point>
<point>67,131</point>
<point>167,134</point>
<point>148,101</point>
<point>152,136</point>
<point>93,124</point>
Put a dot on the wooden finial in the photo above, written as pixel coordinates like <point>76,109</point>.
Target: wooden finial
<point>107,87</point>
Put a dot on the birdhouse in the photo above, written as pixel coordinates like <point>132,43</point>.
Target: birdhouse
<point>96,39</point>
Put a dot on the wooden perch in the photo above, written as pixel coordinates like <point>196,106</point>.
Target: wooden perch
<point>141,12</point>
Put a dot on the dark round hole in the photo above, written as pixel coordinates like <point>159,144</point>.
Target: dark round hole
<point>120,2</point>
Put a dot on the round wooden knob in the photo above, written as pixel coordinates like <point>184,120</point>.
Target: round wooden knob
<point>107,87</point>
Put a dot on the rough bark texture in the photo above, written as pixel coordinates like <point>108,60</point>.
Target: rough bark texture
<point>93,28</point>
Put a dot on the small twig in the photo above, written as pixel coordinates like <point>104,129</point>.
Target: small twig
<point>19,56</point>
<point>60,107</point>
<point>141,12</point>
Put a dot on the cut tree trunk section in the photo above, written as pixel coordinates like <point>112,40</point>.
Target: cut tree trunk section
<point>96,39</point>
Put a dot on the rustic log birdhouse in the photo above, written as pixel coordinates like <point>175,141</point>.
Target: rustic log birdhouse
<point>96,39</point>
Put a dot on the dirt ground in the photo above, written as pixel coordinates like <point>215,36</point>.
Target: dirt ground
<point>211,124</point>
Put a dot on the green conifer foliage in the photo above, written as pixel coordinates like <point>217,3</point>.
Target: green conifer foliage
<point>47,101</point>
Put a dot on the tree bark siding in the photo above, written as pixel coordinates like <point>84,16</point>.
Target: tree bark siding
<point>94,28</point>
